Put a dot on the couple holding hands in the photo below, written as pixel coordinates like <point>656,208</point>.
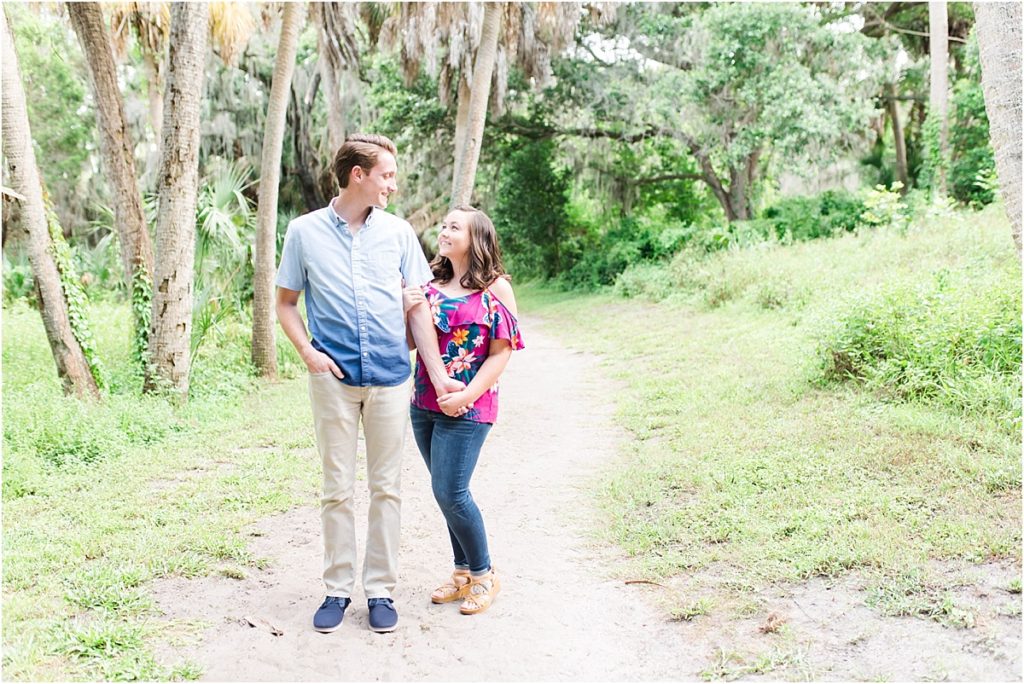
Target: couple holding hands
<point>371,295</point>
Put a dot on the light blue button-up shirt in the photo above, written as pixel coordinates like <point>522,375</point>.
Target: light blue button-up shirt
<point>353,286</point>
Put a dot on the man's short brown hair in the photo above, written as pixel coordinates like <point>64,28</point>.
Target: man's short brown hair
<point>362,150</point>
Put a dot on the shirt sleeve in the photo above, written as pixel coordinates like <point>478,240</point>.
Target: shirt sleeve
<point>504,325</point>
<point>415,269</point>
<point>291,274</point>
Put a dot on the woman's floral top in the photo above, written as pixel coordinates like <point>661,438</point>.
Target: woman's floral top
<point>465,327</point>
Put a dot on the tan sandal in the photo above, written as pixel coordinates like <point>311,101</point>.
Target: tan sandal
<point>481,594</point>
<point>453,590</point>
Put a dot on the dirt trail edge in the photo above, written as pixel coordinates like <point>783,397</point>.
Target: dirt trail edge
<point>559,617</point>
<point>562,615</point>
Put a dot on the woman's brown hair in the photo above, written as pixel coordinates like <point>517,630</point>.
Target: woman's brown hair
<point>484,257</point>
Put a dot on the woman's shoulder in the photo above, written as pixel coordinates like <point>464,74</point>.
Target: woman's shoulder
<point>502,291</point>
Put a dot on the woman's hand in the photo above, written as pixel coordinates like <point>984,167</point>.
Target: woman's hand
<point>412,296</point>
<point>455,403</point>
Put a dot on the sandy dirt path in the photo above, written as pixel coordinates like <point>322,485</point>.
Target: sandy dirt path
<point>559,616</point>
<point>562,614</point>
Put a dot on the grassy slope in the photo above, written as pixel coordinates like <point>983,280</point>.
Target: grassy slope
<point>741,465</point>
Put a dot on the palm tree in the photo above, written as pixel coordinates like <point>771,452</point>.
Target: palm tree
<point>264,349</point>
<point>479,93</point>
<point>116,147</point>
<point>72,366</point>
<point>175,232</point>
<point>938,100</point>
<point>999,44</point>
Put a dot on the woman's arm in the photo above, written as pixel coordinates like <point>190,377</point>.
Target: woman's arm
<point>494,365</point>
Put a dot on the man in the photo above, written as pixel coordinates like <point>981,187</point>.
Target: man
<point>352,260</point>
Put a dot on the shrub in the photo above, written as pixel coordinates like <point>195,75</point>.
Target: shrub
<point>955,339</point>
<point>795,219</point>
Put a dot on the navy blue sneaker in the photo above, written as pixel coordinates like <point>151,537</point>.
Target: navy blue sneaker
<point>383,616</point>
<point>331,612</point>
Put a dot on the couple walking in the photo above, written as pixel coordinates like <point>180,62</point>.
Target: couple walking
<point>370,295</point>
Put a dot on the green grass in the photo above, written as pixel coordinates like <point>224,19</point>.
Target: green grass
<point>101,499</point>
<point>743,465</point>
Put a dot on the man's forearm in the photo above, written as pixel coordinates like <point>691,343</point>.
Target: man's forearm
<point>294,328</point>
<point>425,337</point>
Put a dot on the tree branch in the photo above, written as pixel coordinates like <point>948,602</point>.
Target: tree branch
<point>667,177</point>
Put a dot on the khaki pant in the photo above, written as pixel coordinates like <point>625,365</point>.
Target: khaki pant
<point>385,413</point>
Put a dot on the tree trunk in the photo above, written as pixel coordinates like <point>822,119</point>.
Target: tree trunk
<point>899,141</point>
<point>115,141</point>
<point>156,96</point>
<point>264,349</point>
<point>329,74</point>
<point>461,125</point>
<point>480,91</point>
<point>938,100</point>
<point>999,44</point>
<point>72,366</point>
<point>170,335</point>
<point>307,162</point>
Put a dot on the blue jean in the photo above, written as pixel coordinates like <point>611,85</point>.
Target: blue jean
<point>450,447</point>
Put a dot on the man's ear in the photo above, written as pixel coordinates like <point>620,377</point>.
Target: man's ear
<point>357,173</point>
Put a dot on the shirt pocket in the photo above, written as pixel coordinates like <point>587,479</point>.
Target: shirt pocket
<point>385,267</point>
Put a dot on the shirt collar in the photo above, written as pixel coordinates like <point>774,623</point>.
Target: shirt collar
<point>338,221</point>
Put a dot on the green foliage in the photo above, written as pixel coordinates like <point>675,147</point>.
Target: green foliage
<point>970,145</point>
<point>885,207</point>
<point>60,110</point>
<point>772,74</point>
<point>531,211</point>
<point>956,340</point>
<point>75,298</point>
<point>934,163</point>
<point>225,231</point>
<point>605,246</point>
<point>18,280</point>
<point>142,312</point>
<point>808,218</point>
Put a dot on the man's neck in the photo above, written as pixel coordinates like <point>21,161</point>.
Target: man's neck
<point>351,211</point>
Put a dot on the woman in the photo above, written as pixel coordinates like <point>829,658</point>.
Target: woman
<point>474,310</point>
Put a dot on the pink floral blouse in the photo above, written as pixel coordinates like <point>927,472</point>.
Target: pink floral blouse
<point>466,325</point>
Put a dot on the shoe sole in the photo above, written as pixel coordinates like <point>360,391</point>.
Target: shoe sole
<point>383,630</point>
<point>326,630</point>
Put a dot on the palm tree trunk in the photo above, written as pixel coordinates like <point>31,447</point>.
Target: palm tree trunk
<point>461,125</point>
<point>170,335</point>
<point>999,43</point>
<point>938,100</point>
<point>480,91</point>
<point>264,349</point>
<point>115,140</point>
<point>72,367</point>
<point>156,96</point>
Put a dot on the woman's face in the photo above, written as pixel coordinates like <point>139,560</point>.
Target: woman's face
<point>453,241</point>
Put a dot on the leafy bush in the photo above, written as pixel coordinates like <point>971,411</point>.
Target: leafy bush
<point>969,143</point>
<point>18,281</point>
<point>808,218</point>
<point>955,339</point>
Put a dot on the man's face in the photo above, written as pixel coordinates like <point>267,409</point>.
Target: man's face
<point>378,185</point>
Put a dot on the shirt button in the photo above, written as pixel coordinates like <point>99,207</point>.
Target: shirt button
<point>364,353</point>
